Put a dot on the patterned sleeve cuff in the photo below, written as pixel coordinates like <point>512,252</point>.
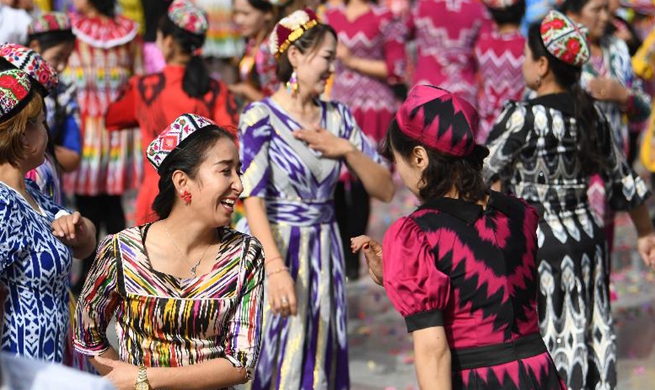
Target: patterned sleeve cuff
<point>250,372</point>
<point>90,350</point>
<point>426,319</point>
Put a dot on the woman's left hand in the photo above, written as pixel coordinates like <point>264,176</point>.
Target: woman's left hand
<point>646,248</point>
<point>324,142</point>
<point>70,229</point>
<point>609,90</point>
<point>122,375</point>
<point>343,54</point>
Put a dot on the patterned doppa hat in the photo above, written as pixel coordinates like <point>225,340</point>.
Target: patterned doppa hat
<point>564,39</point>
<point>182,128</point>
<point>15,92</point>
<point>500,4</point>
<point>49,22</point>
<point>31,63</point>
<point>439,120</point>
<point>290,29</point>
<point>185,15</point>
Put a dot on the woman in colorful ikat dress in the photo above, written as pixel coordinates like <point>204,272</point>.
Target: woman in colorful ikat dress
<point>546,149</point>
<point>370,60</point>
<point>293,147</point>
<point>184,86</point>
<point>37,237</point>
<point>186,290</point>
<point>609,78</point>
<point>461,268</point>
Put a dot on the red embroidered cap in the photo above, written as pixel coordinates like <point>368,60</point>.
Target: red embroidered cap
<point>500,4</point>
<point>31,63</point>
<point>182,127</point>
<point>185,15</point>
<point>49,22</point>
<point>290,29</point>
<point>15,92</point>
<point>439,120</point>
<point>564,39</point>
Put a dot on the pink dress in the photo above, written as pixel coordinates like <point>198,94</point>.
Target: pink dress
<point>375,35</point>
<point>445,32</point>
<point>499,59</point>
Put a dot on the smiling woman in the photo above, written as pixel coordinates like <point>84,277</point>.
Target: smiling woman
<point>187,289</point>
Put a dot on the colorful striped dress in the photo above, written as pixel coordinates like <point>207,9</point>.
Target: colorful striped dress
<point>309,350</point>
<point>164,321</point>
<point>107,53</point>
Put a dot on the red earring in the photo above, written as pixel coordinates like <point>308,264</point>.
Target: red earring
<point>186,197</point>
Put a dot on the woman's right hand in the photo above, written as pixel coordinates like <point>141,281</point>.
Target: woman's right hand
<point>281,290</point>
<point>373,254</point>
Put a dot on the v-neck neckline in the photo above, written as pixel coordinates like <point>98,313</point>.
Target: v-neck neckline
<point>275,105</point>
<point>40,212</point>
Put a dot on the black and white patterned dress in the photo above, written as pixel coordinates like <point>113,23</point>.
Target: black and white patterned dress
<point>534,152</point>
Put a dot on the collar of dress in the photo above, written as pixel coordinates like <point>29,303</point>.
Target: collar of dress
<point>468,212</point>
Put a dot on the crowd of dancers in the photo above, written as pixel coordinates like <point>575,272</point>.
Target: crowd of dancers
<point>256,133</point>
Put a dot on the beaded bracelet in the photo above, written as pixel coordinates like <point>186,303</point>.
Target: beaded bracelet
<point>277,271</point>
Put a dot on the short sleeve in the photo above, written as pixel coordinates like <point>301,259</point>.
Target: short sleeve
<point>71,136</point>
<point>416,288</point>
<point>394,33</point>
<point>506,141</point>
<point>254,140</point>
<point>12,238</point>
<point>355,135</point>
<point>265,65</point>
<point>242,341</point>
<point>625,189</point>
<point>121,114</point>
<point>639,104</point>
<point>98,301</point>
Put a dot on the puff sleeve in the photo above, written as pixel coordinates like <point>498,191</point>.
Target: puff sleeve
<point>13,243</point>
<point>242,341</point>
<point>98,301</point>
<point>416,288</point>
<point>355,135</point>
<point>254,139</point>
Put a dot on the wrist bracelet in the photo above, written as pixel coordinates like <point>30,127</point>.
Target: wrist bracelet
<point>277,271</point>
<point>267,261</point>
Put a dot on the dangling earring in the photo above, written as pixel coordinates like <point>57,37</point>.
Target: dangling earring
<point>186,197</point>
<point>292,85</point>
<point>538,82</point>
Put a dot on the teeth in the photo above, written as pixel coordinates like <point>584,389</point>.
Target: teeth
<point>228,202</point>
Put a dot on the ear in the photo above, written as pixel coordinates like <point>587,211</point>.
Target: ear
<point>543,66</point>
<point>573,16</point>
<point>180,181</point>
<point>34,45</point>
<point>420,158</point>
<point>294,56</point>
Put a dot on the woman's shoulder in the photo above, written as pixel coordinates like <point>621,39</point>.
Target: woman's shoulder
<point>233,238</point>
<point>256,112</point>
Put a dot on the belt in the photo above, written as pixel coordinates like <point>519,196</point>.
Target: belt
<point>299,213</point>
<point>493,355</point>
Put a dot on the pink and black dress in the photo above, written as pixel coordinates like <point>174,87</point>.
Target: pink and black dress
<point>471,270</point>
<point>445,32</point>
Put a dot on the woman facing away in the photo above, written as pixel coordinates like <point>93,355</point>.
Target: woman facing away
<point>293,147</point>
<point>38,238</point>
<point>186,290</point>
<point>546,150</point>
<point>461,269</point>
<point>153,101</point>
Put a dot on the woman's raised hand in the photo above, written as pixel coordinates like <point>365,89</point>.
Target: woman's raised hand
<point>646,248</point>
<point>324,142</point>
<point>70,229</point>
<point>373,254</point>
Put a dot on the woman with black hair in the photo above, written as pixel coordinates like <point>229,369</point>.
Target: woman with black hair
<point>461,269</point>
<point>255,20</point>
<point>186,291</point>
<point>545,150</point>
<point>184,85</point>
<point>107,53</point>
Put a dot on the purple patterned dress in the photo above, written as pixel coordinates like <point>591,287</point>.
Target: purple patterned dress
<point>309,350</point>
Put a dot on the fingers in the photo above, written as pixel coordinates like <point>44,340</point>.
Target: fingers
<point>356,243</point>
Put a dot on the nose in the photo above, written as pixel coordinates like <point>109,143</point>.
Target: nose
<point>237,185</point>
<point>332,67</point>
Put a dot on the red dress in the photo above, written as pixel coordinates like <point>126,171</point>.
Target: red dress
<point>473,271</point>
<point>152,102</point>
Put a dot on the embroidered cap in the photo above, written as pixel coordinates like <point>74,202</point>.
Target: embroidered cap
<point>49,22</point>
<point>564,39</point>
<point>15,92</point>
<point>290,29</point>
<point>500,4</point>
<point>31,63</point>
<point>439,120</point>
<point>185,15</point>
<point>182,128</point>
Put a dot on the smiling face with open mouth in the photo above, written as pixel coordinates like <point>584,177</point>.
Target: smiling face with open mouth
<point>218,184</point>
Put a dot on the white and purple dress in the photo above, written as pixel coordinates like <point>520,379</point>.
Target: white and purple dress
<point>309,350</point>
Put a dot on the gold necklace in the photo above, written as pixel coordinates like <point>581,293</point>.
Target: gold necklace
<point>195,266</point>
